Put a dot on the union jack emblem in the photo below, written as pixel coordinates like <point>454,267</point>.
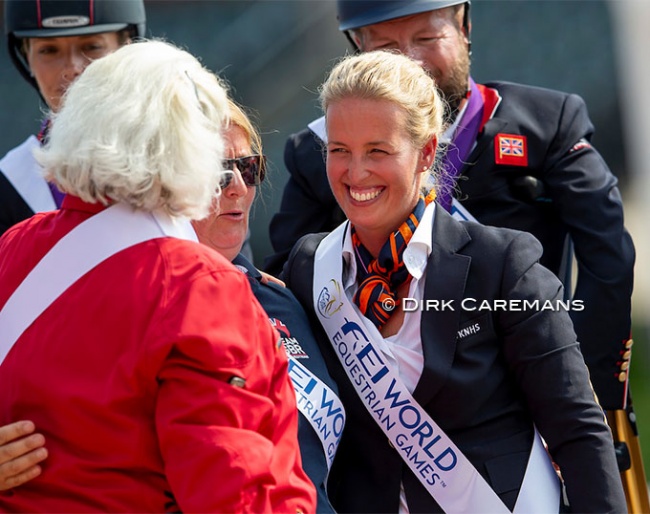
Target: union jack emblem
<point>511,146</point>
<point>280,327</point>
<point>511,149</point>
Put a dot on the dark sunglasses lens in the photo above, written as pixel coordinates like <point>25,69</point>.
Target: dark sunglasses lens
<point>227,177</point>
<point>252,170</point>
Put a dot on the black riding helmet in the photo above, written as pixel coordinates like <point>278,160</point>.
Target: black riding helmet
<point>354,14</point>
<point>60,18</point>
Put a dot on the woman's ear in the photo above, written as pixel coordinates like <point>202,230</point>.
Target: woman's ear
<point>428,153</point>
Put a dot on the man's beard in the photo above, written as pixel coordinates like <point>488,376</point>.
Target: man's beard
<point>454,89</point>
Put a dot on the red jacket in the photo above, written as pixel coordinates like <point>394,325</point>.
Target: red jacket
<point>127,376</point>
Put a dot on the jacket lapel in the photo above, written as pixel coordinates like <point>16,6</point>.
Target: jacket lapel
<point>489,132</point>
<point>446,276</point>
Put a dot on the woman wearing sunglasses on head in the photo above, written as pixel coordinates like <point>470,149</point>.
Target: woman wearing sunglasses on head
<point>444,400</point>
<point>322,416</point>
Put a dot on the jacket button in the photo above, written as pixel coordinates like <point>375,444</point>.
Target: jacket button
<point>390,443</point>
<point>236,381</point>
<point>627,355</point>
<point>629,343</point>
<point>625,365</point>
<point>622,376</point>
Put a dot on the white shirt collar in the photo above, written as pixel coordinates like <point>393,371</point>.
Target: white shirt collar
<point>448,135</point>
<point>419,248</point>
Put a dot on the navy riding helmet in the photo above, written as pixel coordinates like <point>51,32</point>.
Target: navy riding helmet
<point>354,14</point>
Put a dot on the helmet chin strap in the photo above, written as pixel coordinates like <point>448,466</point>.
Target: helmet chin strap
<point>20,61</point>
<point>466,26</point>
<point>348,34</point>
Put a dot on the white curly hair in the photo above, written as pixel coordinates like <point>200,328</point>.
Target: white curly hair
<point>141,126</point>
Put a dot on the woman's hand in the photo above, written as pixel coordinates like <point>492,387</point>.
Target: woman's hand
<point>20,452</point>
<point>266,278</point>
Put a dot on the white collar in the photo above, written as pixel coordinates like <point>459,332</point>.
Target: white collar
<point>448,135</point>
<point>419,248</point>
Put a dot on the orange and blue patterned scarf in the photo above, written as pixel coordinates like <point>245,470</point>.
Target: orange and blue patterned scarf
<point>379,278</point>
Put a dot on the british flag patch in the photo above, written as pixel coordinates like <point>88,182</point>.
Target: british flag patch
<point>511,149</point>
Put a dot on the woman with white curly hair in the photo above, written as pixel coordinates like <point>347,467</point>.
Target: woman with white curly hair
<point>141,355</point>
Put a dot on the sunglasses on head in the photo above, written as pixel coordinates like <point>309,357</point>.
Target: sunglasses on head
<point>252,169</point>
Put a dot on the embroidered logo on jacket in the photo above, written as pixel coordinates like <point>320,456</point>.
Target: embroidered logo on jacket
<point>511,149</point>
<point>291,344</point>
<point>469,330</point>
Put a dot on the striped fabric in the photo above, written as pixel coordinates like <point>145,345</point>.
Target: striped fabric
<point>379,278</point>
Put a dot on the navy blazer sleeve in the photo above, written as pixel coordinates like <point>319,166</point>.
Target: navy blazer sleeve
<point>542,352</point>
<point>584,192</point>
<point>577,195</point>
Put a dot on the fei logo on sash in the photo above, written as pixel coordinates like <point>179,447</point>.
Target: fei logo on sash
<point>329,302</point>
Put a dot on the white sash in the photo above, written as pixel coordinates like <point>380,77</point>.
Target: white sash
<point>449,477</point>
<point>25,174</point>
<point>89,243</point>
<point>320,405</point>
